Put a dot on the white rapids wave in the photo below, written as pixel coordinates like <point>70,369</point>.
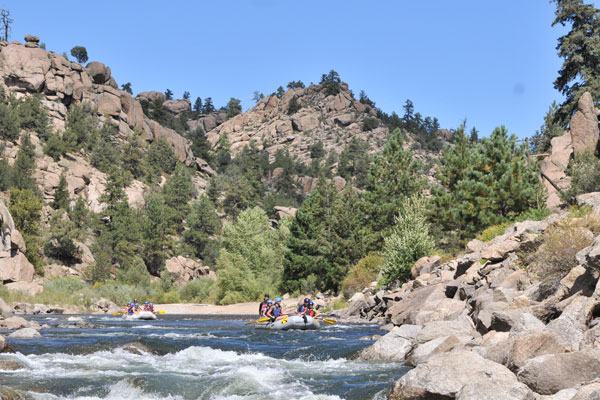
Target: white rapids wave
<point>211,374</point>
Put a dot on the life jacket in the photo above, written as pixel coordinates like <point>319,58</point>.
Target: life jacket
<point>277,311</point>
<point>310,312</point>
<point>302,309</point>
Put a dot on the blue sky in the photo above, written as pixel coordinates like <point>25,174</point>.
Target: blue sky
<point>492,62</point>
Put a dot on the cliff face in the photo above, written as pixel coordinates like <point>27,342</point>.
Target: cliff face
<point>333,120</point>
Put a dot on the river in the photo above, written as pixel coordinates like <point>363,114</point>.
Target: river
<point>195,357</point>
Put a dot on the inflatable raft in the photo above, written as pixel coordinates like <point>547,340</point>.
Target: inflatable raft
<point>144,315</point>
<point>292,322</point>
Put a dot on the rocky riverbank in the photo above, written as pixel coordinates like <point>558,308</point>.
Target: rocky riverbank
<point>498,322</point>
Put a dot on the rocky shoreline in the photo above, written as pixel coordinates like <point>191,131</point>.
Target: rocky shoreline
<point>481,327</point>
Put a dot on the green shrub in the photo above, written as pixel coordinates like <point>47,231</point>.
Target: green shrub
<point>55,147</point>
<point>161,156</point>
<point>409,241</point>
<point>362,274</point>
<point>369,124</point>
<point>585,175</point>
<point>197,291</point>
<point>534,214</point>
<point>493,231</point>
<point>293,105</point>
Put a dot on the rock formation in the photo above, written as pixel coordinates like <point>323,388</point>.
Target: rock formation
<point>584,126</point>
<point>183,270</point>
<point>515,336</point>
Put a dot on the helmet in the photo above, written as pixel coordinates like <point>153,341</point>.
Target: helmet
<point>267,295</point>
<point>145,302</point>
<point>311,303</point>
<point>136,304</point>
<point>307,300</point>
<point>277,299</point>
<point>269,301</point>
<point>151,304</point>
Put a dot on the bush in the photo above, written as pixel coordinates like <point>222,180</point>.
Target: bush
<point>55,147</point>
<point>555,257</point>
<point>533,214</point>
<point>369,124</point>
<point>293,105</point>
<point>585,175</point>
<point>362,274</point>
<point>198,290</point>
<point>161,156</point>
<point>493,231</point>
<point>409,241</point>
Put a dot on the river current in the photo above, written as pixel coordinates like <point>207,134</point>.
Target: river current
<point>194,357</point>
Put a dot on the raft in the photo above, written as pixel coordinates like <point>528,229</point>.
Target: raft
<point>144,315</point>
<point>292,322</point>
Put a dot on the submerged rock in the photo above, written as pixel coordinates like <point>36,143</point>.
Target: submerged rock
<point>25,333</point>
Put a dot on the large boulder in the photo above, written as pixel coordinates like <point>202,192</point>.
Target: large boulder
<point>99,73</point>
<point>425,351</point>
<point>24,69</point>
<point>584,126</point>
<point>151,97</point>
<point>15,269</point>
<point>446,374</point>
<point>530,346</point>
<point>493,390</point>
<point>569,327</point>
<point>25,333</point>
<point>177,106</point>
<point>394,345</point>
<point>423,299</point>
<point>462,326</point>
<point>554,167</point>
<point>547,374</point>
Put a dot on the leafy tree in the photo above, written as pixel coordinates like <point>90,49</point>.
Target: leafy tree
<point>61,195</point>
<point>393,176</point>
<point>168,94</point>
<point>234,107</point>
<point>580,48</point>
<point>409,241</point>
<point>127,87</point>
<point>208,106</point>
<point>251,259</point>
<point>203,225</point>
<point>80,54</point>
<point>161,156</point>
<point>26,207</point>
<point>331,82</point>
<point>293,105</point>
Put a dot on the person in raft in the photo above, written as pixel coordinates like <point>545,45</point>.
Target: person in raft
<point>312,312</point>
<point>303,307</point>
<point>266,308</point>
<point>276,312</point>
<point>262,305</point>
<point>130,308</point>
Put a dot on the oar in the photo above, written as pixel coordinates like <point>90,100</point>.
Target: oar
<point>118,313</point>
<point>161,312</point>
<point>329,321</point>
<point>263,319</point>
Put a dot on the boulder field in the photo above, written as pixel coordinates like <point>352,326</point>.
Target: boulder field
<point>484,326</point>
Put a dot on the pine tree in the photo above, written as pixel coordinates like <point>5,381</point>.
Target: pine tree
<point>156,231</point>
<point>393,176</point>
<point>203,224</point>
<point>61,195</point>
<point>580,48</point>
<point>177,193</point>
<point>354,162</point>
<point>208,106</point>
<point>24,165</point>
<point>168,94</point>
<point>234,107</point>
<point>198,106</point>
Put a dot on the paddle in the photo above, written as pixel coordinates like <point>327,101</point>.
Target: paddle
<point>329,321</point>
<point>161,312</point>
<point>263,319</point>
<point>118,313</point>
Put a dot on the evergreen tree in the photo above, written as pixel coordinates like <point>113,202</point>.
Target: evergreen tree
<point>80,54</point>
<point>60,243</point>
<point>234,107</point>
<point>177,193</point>
<point>61,195</point>
<point>354,162</point>
<point>257,96</point>
<point>474,135</point>
<point>203,225</point>
<point>393,176</point>
<point>24,165</point>
<point>208,106</point>
<point>9,122</point>
<point>26,210</point>
<point>580,48</point>
<point>201,147</point>
<point>293,105</point>
<point>168,94</point>
<point>33,116</point>
<point>317,150</point>
<point>186,95</point>
<point>198,107</point>
<point>127,87</point>
<point>331,82</point>
<point>549,130</point>
<point>280,92</point>
<point>295,85</point>
<point>223,156</point>
<point>161,157</point>
<point>156,231</point>
<point>132,156</point>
